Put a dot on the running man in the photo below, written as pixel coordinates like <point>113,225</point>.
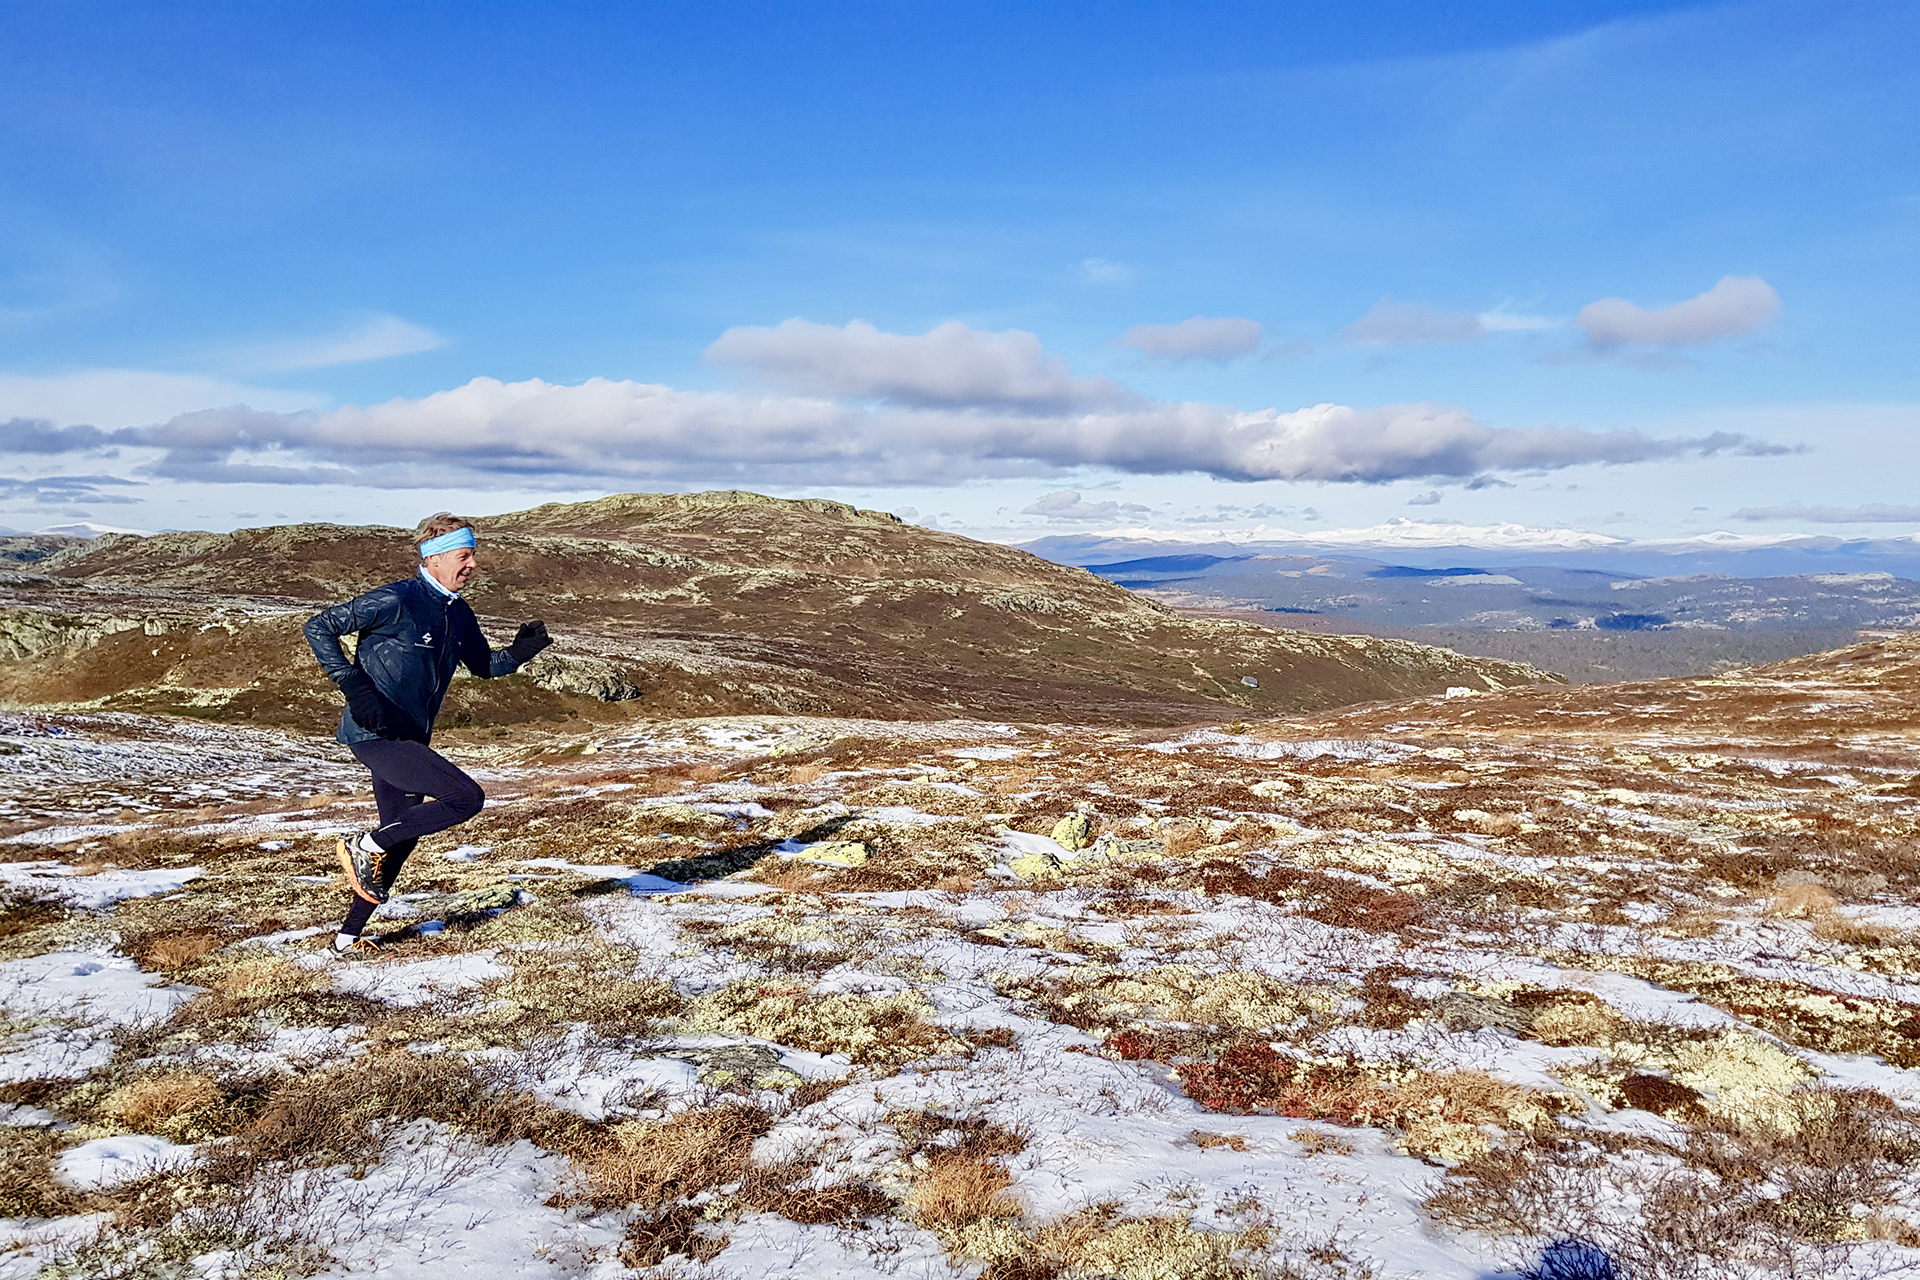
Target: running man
<point>411,634</point>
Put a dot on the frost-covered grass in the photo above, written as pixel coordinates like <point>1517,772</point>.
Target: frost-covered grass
<point>1419,991</point>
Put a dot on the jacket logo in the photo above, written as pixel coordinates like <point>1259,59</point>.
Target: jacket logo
<point>425,641</point>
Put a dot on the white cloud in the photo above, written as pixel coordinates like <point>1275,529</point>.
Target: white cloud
<point>1067,504</point>
<point>1197,339</point>
<point>1736,305</point>
<point>378,337</point>
<point>129,397</point>
<point>1430,498</point>
<point>1392,323</point>
<point>1102,271</point>
<point>951,365</point>
<point>1500,320</point>
<point>952,405</point>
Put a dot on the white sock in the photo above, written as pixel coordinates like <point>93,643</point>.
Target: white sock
<point>345,941</point>
<point>368,845</point>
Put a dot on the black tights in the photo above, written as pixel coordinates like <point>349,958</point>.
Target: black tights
<point>404,775</point>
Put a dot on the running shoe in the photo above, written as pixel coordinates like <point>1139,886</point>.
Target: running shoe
<point>363,870</point>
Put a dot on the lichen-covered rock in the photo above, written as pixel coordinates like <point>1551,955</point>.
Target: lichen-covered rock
<point>593,677</point>
<point>738,1066</point>
<point>835,853</point>
<point>491,897</point>
<point>1034,866</point>
<point>1073,832</point>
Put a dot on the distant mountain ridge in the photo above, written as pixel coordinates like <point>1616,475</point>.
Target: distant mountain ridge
<point>1433,545</point>
<point>1515,596</point>
<point>677,604</point>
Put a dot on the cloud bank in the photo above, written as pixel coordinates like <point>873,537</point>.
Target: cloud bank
<point>1735,305</point>
<point>1067,504</point>
<point>1868,513</point>
<point>850,405</point>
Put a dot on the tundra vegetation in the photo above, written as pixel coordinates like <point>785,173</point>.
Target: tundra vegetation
<point>1559,981</point>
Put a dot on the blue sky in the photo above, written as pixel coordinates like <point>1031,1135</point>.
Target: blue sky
<point>1411,214</point>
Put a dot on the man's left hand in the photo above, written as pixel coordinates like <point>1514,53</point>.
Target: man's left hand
<point>532,638</point>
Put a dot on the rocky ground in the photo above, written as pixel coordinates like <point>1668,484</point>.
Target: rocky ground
<point>1570,980</point>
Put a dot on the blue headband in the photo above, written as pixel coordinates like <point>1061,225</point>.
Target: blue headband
<point>446,542</point>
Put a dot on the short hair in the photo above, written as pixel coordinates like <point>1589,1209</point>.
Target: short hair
<point>438,523</point>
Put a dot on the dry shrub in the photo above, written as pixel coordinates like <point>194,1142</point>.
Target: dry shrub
<point>1501,824</point>
<point>1250,1076</point>
<point>1021,1267</point>
<point>1207,1141</point>
<point>20,913</point>
<point>711,772</point>
<point>268,976</point>
<point>1802,902</point>
<point>790,876</point>
<point>1442,1113</point>
<point>1835,927</point>
<point>652,1165</point>
<point>870,1029</point>
<point>772,1189</point>
<point>957,1190</point>
<point>1161,1044</point>
<point>1313,1142</point>
<point>1015,779</point>
<point>1661,1096</point>
<point>993,1038</point>
<point>805,775</point>
<point>1335,900</point>
<point>340,1115</point>
<point>1352,905</point>
<point>164,1104</point>
<point>930,1133</point>
<point>1728,1198</point>
<point>1185,842</point>
<point>178,950</point>
<point>27,1185</point>
<point>1389,1006</point>
<point>651,1240</point>
<point>587,985</point>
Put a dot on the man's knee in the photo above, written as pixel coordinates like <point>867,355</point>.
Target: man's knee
<point>468,800</point>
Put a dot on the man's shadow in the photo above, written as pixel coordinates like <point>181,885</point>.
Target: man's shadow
<point>727,862</point>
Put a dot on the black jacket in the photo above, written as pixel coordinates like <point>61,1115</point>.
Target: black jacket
<point>411,637</point>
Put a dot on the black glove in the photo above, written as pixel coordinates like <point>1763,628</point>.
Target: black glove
<point>531,639</point>
<point>370,711</point>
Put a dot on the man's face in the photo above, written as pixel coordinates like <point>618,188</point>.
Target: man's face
<point>451,569</point>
